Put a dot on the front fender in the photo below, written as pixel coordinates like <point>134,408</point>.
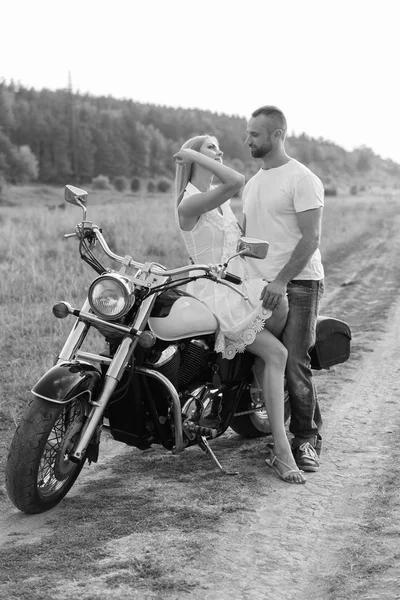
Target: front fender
<point>64,382</point>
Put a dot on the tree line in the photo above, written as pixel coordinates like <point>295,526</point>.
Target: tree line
<point>58,136</point>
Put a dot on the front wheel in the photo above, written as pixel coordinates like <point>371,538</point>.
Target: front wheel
<point>39,473</point>
<point>256,422</point>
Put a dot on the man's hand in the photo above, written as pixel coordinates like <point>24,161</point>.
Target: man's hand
<point>272,294</point>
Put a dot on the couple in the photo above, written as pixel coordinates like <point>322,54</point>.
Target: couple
<point>282,205</point>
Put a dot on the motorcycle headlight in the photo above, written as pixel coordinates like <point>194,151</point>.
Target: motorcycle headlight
<point>111,296</point>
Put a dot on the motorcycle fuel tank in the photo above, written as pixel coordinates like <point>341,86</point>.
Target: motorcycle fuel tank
<point>176,315</point>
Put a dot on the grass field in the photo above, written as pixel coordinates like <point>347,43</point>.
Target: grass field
<point>39,267</point>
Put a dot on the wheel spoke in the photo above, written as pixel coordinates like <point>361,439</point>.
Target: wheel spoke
<point>47,479</point>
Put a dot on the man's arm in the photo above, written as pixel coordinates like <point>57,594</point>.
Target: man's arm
<point>309,222</point>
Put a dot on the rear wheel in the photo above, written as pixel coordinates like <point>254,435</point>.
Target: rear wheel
<point>39,473</point>
<point>256,422</point>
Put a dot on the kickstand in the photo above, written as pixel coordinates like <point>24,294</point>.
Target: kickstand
<point>204,445</point>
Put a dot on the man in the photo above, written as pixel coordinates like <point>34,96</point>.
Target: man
<point>283,205</point>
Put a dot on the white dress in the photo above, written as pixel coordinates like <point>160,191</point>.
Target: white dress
<point>213,240</point>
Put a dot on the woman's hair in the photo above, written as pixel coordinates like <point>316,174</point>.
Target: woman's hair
<point>183,173</point>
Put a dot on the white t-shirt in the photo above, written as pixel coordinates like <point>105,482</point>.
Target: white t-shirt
<point>271,200</point>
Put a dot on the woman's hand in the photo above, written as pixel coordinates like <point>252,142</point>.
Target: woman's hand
<point>185,156</point>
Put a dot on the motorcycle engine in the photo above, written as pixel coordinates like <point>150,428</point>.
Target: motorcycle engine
<point>193,361</point>
<point>182,363</point>
<point>166,362</point>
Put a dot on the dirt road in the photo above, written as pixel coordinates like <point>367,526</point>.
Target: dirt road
<point>153,525</point>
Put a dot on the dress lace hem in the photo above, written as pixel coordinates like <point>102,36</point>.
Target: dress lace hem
<point>230,347</point>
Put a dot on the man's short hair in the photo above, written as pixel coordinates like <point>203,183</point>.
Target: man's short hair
<point>274,112</point>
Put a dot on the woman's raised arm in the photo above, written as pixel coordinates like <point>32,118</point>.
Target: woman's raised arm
<point>231,182</point>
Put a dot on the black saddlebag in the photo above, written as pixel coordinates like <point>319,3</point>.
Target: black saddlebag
<point>332,343</point>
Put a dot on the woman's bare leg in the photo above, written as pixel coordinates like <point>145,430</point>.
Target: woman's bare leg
<point>274,355</point>
<point>277,320</point>
<point>275,325</point>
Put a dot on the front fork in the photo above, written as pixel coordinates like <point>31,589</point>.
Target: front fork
<point>111,380</point>
<point>117,366</point>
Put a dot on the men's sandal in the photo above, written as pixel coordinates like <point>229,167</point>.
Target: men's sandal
<point>306,457</point>
<point>285,476</point>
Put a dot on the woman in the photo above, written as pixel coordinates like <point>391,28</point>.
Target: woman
<point>210,232</point>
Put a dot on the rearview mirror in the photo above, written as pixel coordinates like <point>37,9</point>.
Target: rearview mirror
<point>252,247</point>
<point>76,196</point>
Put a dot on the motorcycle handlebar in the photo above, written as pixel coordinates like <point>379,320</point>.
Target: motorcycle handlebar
<point>152,268</point>
<point>158,270</point>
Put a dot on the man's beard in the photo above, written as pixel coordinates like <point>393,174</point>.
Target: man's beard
<point>261,151</point>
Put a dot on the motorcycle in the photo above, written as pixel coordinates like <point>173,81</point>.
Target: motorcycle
<point>157,382</point>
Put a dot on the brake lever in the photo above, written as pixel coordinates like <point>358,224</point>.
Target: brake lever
<point>218,275</point>
<point>233,287</point>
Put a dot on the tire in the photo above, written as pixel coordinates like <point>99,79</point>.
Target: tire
<point>256,424</point>
<point>38,474</point>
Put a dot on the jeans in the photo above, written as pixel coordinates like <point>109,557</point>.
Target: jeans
<point>299,337</point>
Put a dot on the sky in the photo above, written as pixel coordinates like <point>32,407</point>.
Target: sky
<point>331,66</point>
